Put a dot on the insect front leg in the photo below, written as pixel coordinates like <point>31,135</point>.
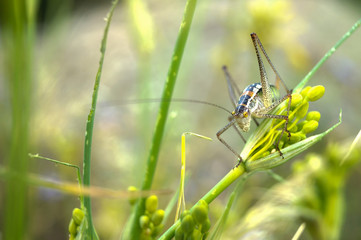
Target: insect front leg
<point>263,113</point>
<point>220,132</point>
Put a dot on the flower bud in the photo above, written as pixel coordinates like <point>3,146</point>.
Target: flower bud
<point>151,204</point>
<point>72,227</point>
<point>144,221</point>
<point>313,115</point>
<point>310,126</point>
<point>187,224</point>
<point>302,111</point>
<point>184,213</point>
<point>179,234</point>
<point>296,100</point>
<point>316,93</point>
<point>200,213</point>
<point>206,226</point>
<point>78,216</point>
<point>296,137</point>
<point>157,217</point>
<point>293,129</point>
<point>305,91</point>
<point>157,230</point>
<point>196,234</point>
<point>132,198</point>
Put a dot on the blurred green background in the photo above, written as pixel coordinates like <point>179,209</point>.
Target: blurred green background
<point>62,59</point>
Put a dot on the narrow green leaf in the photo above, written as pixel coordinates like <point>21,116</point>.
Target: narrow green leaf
<point>91,233</point>
<point>163,112</point>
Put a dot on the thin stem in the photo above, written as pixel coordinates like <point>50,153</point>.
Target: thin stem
<point>211,195</point>
<point>327,55</point>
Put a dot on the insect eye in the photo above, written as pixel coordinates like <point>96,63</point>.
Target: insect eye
<point>245,114</point>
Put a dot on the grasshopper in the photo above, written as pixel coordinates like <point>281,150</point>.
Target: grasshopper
<point>256,101</point>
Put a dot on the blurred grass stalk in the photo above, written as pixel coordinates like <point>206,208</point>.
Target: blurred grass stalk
<point>133,232</point>
<point>17,19</point>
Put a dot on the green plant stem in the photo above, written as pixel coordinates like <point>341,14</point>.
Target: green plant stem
<point>211,195</point>
<point>163,112</point>
<point>327,55</point>
<point>90,125</point>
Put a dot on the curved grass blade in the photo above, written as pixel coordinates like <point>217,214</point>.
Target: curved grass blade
<point>90,124</point>
<point>134,229</point>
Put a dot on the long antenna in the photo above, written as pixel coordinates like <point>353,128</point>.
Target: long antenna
<point>150,100</point>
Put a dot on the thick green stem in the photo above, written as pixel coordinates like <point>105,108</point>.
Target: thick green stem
<point>211,195</point>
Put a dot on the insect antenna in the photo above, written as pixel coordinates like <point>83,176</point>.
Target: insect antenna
<point>151,100</point>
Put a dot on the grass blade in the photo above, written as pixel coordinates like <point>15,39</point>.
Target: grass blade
<point>90,124</point>
<point>163,112</point>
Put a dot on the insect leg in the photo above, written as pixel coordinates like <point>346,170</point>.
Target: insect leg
<point>278,77</point>
<point>266,89</point>
<point>232,87</point>
<point>262,113</point>
<point>220,132</point>
<point>230,118</point>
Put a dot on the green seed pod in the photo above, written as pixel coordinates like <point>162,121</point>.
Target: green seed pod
<point>296,137</point>
<point>144,221</point>
<point>313,115</point>
<point>310,126</point>
<point>151,204</point>
<point>157,217</point>
<point>316,93</point>
<point>206,226</point>
<point>72,227</point>
<point>157,230</point>
<point>179,234</point>
<point>305,91</point>
<point>302,111</point>
<point>187,224</point>
<point>293,129</point>
<point>78,216</point>
<point>196,235</point>
<point>71,237</point>
<point>132,192</point>
<point>200,214</point>
<point>296,100</point>
<point>184,213</point>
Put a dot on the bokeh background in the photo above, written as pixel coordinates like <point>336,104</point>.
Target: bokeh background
<point>296,34</point>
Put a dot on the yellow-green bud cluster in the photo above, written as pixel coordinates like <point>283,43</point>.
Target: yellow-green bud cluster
<point>297,125</point>
<point>74,225</point>
<point>195,224</point>
<point>132,195</point>
<point>151,221</point>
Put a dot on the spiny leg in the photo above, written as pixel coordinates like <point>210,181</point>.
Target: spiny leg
<point>230,118</point>
<point>266,89</point>
<point>278,76</point>
<point>220,132</point>
<point>232,87</point>
<point>262,113</point>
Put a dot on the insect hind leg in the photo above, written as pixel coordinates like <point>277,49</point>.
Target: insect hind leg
<point>232,121</point>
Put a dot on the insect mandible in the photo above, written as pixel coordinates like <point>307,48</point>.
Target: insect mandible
<point>256,101</point>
